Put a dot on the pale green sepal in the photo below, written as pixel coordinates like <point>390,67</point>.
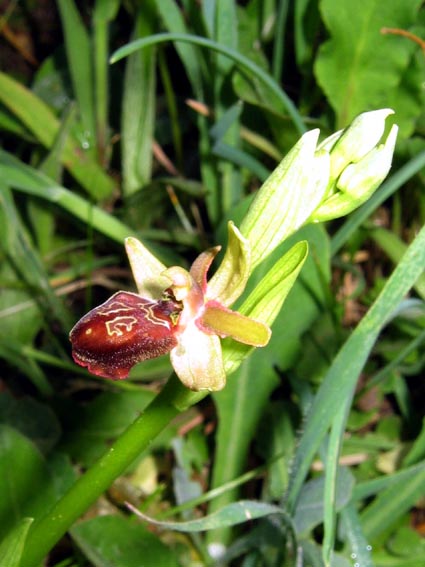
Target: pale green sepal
<point>146,268</point>
<point>198,361</point>
<point>363,134</point>
<point>230,279</point>
<point>359,181</point>
<point>228,323</point>
<point>287,198</point>
<point>265,301</point>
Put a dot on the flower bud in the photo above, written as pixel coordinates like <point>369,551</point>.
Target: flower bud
<point>356,141</point>
<point>287,198</point>
<point>358,181</point>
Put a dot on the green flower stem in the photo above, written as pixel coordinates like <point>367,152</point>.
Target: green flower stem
<point>46,532</point>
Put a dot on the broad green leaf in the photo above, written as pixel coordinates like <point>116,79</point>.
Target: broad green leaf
<point>42,122</point>
<point>360,68</point>
<point>20,461</point>
<point>113,540</point>
<point>12,546</point>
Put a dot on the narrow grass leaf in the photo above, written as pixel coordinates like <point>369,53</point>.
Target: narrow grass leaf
<point>394,248</point>
<point>174,22</point>
<point>231,515</point>
<point>391,505</point>
<point>24,178</point>
<point>225,33</point>
<point>26,262</point>
<point>42,122</point>
<point>360,549</point>
<point>79,53</point>
<point>11,548</point>
<point>332,474</point>
<point>369,488</point>
<point>238,58</point>
<point>138,109</point>
<point>104,12</point>
<point>340,381</point>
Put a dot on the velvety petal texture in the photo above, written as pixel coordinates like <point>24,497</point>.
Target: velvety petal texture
<point>123,331</point>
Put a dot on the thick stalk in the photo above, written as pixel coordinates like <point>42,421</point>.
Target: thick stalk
<point>46,532</point>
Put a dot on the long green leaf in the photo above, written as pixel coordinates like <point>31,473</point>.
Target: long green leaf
<point>238,58</point>
<point>42,122</point>
<point>174,22</point>
<point>138,109</point>
<point>11,548</point>
<point>104,12</point>
<point>391,505</point>
<point>231,515</point>
<point>79,53</point>
<point>340,381</point>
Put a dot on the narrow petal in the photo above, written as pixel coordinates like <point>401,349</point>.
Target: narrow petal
<point>201,265</point>
<point>146,268</point>
<point>230,279</point>
<point>198,361</point>
<point>227,323</point>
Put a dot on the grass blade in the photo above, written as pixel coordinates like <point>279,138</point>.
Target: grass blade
<point>44,125</point>
<point>138,111</point>
<point>340,381</point>
<point>79,53</point>
<point>238,58</point>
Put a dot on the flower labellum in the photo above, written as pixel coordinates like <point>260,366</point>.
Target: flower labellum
<point>188,320</point>
<point>123,331</point>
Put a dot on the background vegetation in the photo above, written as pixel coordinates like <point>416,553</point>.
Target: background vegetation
<point>166,145</point>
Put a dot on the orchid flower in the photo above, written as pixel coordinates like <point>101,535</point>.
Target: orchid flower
<point>180,312</point>
<point>187,320</point>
